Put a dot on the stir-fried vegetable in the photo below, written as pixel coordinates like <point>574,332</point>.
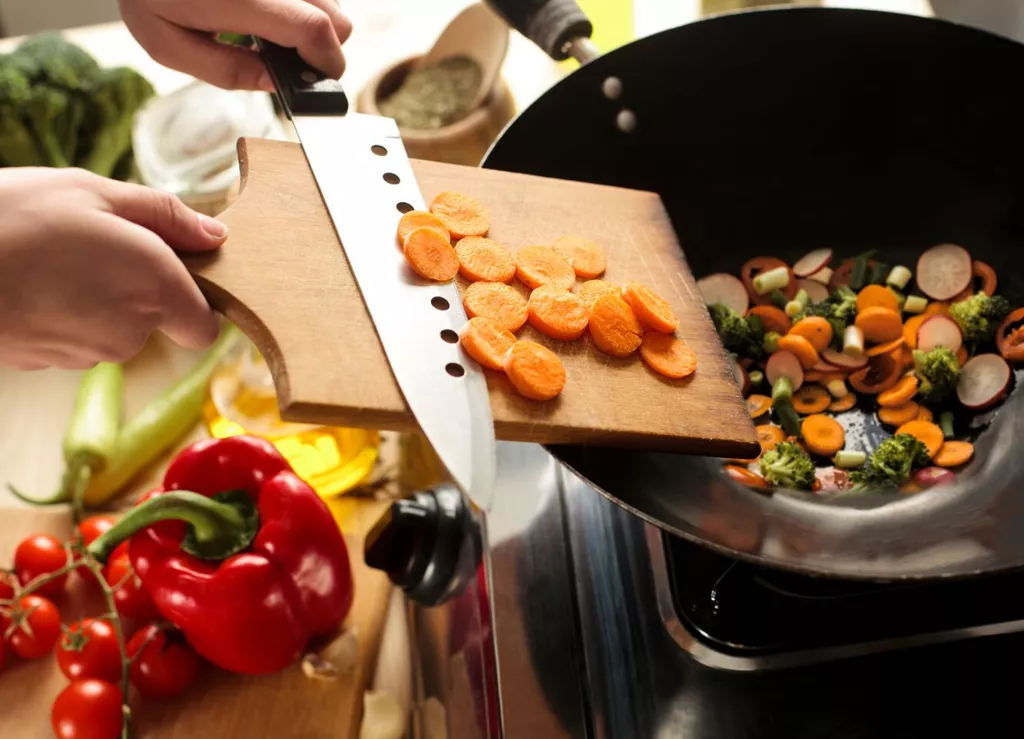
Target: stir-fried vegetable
<point>979,316</point>
<point>788,465</point>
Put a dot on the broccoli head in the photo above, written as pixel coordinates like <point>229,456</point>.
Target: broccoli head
<point>937,372</point>
<point>891,463</point>
<point>838,309</point>
<point>787,465</point>
<point>51,59</point>
<point>17,145</point>
<point>107,127</point>
<point>979,316</point>
<point>742,335</point>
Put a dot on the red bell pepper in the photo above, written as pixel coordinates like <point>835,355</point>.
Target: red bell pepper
<point>239,553</point>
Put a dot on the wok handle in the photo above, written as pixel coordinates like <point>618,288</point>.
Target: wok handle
<point>551,24</point>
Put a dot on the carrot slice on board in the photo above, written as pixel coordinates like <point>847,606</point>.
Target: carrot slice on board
<point>586,257</point>
<point>462,214</point>
<point>484,260</point>
<point>902,392</point>
<point>811,399</point>
<point>773,318</point>
<point>414,219</point>
<point>497,301</point>
<point>769,436</point>
<point>535,371</point>
<point>885,348</point>
<point>879,324</point>
<point>557,313</point>
<point>758,405</point>
<point>843,404</point>
<point>614,327</point>
<point>874,296</point>
<point>822,435</point>
<point>924,414</point>
<point>668,355</point>
<point>801,347</point>
<point>954,453</point>
<point>881,373</point>
<point>929,434</point>
<point>591,290</point>
<point>652,309</point>
<point>430,255</point>
<point>816,330</point>
<point>897,415</point>
<point>910,329</point>
<point>542,265</point>
<point>487,342</point>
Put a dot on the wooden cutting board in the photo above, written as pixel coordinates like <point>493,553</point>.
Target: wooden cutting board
<point>283,278</point>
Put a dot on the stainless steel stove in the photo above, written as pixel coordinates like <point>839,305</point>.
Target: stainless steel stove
<point>599,625</point>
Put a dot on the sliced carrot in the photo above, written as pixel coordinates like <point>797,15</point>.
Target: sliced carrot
<point>668,355</point>
<point>924,414</point>
<point>897,415</point>
<point>534,370</point>
<point>908,357</point>
<point>745,477</point>
<point>827,377</point>
<point>487,342</point>
<point>801,347</point>
<point>882,373</point>
<point>843,404</point>
<point>414,219</point>
<point>816,330</point>
<point>910,329</point>
<point>591,290</point>
<point>614,327</point>
<point>822,435</point>
<point>462,214</point>
<point>929,434</point>
<point>586,257</point>
<point>557,313</point>
<point>879,324</point>
<point>902,392</point>
<point>954,453</point>
<point>430,255</point>
<point>961,355</point>
<point>886,347</point>
<point>484,260</point>
<point>935,308</point>
<point>650,308</point>
<point>773,318</point>
<point>542,265</point>
<point>769,436</point>
<point>813,376</point>
<point>811,399</point>
<point>877,296</point>
<point>758,405</point>
<point>497,301</point>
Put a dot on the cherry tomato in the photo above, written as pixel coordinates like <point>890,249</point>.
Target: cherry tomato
<point>89,649</point>
<point>131,599</point>
<point>87,709</point>
<point>90,529</point>
<point>40,555</point>
<point>36,626</point>
<point>166,666</point>
<point>6,589</point>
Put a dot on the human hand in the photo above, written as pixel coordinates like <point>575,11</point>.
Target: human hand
<point>179,35</point>
<point>87,269</point>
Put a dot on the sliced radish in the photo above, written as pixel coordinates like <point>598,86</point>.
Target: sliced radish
<point>928,477</point>
<point>983,381</point>
<point>823,366</point>
<point>810,263</point>
<point>784,364</point>
<point>823,275</point>
<point>725,289</point>
<point>939,331</point>
<point>944,271</point>
<point>815,290</point>
<point>843,360</point>
<point>742,379</point>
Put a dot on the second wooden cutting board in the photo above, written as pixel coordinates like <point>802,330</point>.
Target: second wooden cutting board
<point>283,278</point>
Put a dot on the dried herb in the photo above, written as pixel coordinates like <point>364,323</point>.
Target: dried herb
<point>434,95</point>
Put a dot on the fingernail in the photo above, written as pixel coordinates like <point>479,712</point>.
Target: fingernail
<point>213,227</point>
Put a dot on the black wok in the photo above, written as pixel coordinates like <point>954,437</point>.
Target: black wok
<point>776,132</point>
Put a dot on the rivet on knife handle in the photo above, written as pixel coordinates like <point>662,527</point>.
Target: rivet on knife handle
<point>303,89</point>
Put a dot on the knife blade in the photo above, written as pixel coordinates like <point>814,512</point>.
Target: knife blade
<point>366,182</point>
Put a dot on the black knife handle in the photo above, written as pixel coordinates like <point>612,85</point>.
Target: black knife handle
<point>551,24</point>
<point>303,89</point>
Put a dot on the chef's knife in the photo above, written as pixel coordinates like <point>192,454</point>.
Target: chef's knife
<point>367,183</point>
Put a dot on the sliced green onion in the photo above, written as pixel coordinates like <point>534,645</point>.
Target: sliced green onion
<point>853,341</point>
<point>771,342</point>
<point>756,377</point>
<point>782,390</point>
<point>796,306</point>
<point>789,419</point>
<point>848,460</point>
<point>836,388</point>
<point>898,277</point>
<point>915,304</point>
<point>899,297</point>
<point>946,424</point>
<point>773,279</point>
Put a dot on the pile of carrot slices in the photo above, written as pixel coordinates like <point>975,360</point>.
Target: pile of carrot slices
<point>566,298</point>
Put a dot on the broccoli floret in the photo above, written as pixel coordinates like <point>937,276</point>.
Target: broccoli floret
<point>48,57</point>
<point>742,335</point>
<point>979,316</point>
<point>17,146</point>
<point>838,309</point>
<point>891,463</point>
<point>787,465</point>
<point>107,129</point>
<point>937,372</point>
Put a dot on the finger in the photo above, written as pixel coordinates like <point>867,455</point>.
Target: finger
<point>165,215</point>
<point>342,25</point>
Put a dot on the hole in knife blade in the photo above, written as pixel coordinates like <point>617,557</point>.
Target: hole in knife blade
<point>378,150</point>
<point>450,336</point>
<point>439,303</point>
<point>403,207</point>
<point>391,178</point>
<point>454,369</point>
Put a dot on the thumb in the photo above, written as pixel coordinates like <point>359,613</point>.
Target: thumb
<point>164,214</point>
